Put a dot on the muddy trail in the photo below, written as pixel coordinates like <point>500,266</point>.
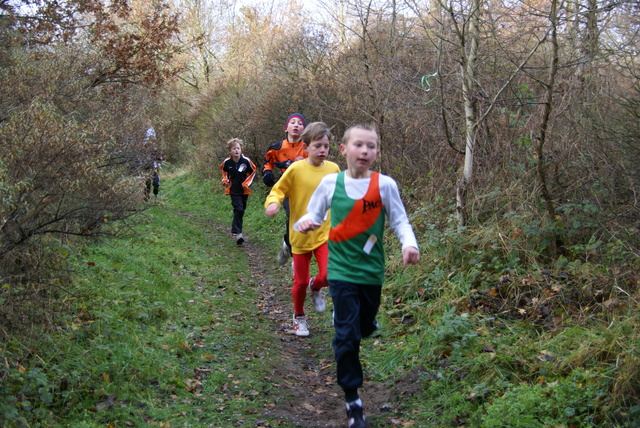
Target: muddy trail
<point>303,368</point>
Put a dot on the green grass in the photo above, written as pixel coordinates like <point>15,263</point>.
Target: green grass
<point>161,332</point>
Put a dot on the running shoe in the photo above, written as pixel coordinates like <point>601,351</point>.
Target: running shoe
<point>355,417</point>
<point>317,297</point>
<point>284,254</point>
<point>300,326</point>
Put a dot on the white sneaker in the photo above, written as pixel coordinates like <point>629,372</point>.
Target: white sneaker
<point>317,297</point>
<point>284,254</point>
<point>300,326</point>
<point>239,239</point>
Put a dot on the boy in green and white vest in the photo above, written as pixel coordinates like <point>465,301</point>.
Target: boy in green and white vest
<point>359,200</point>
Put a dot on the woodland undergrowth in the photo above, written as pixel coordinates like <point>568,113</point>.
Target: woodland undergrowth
<point>487,329</point>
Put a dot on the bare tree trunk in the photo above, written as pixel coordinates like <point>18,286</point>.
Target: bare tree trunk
<point>468,79</point>
<point>544,124</point>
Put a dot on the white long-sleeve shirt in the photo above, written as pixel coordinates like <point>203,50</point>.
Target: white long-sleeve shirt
<point>320,203</point>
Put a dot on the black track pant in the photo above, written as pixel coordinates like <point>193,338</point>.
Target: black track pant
<point>355,309</point>
<point>239,204</point>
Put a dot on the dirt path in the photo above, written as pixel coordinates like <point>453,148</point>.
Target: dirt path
<point>311,396</point>
<point>303,368</point>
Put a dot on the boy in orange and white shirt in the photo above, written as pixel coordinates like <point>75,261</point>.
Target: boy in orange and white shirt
<point>281,155</point>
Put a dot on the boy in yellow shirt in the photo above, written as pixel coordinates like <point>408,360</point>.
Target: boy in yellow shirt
<point>298,184</point>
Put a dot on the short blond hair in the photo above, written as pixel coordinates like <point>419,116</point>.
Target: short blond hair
<point>366,126</point>
<point>232,142</point>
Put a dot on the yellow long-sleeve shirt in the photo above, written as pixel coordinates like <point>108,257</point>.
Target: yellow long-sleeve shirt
<point>298,183</point>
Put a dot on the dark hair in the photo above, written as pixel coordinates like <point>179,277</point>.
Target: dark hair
<point>315,131</point>
<point>366,126</point>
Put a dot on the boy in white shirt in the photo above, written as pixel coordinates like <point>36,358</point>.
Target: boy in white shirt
<point>359,200</point>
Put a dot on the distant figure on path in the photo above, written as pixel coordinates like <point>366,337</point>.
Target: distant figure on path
<point>152,162</point>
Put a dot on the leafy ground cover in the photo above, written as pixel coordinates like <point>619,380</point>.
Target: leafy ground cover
<point>174,325</point>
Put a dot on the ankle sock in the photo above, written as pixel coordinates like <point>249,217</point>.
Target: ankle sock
<point>357,403</point>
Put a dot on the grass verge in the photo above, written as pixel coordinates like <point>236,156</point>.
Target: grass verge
<point>161,330</point>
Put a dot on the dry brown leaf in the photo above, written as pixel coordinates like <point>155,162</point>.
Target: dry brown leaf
<point>612,303</point>
<point>310,408</point>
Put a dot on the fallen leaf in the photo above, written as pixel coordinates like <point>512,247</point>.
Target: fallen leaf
<point>611,303</point>
<point>310,408</point>
<point>103,405</point>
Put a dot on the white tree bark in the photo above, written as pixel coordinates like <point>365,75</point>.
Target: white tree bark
<point>468,78</point>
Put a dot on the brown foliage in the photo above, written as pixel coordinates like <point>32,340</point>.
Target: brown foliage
<point>135,40</point>
<point>71,144</point>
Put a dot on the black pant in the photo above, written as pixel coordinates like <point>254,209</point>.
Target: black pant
<point>355,308</point>
<point>287,211</point>
<point>239,204</point>
<point>152,180</point>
